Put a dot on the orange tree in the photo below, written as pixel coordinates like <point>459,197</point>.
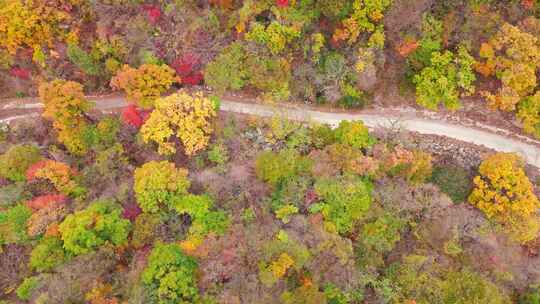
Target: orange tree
<point>504,193</point>
<point>65,104</point>
<point>145,84</point>
<point>185,117</point>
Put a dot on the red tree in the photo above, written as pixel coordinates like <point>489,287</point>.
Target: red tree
<point>45,201</point>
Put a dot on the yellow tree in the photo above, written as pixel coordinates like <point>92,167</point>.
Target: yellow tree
<point>504,193</point>
<point>144,84</point>
<point>514,57</point>
<point>185,117</point>
<point>65,104</point>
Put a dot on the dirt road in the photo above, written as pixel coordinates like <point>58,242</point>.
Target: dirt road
<point>529,151</point>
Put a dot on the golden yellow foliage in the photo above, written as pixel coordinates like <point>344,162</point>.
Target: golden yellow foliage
<point>65,104</point>
<point>514,56</point>
<point>504,192</point>
<point>145,84</point>
<point>34,24</point>
<point>280,266</point>
<point>186,117</point>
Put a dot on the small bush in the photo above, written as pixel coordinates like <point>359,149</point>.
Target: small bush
<point>354,134</point>
<point>275,168</point>
<point>27,288</point>
<point>228,71</point>
<point>454,181</point>
<point>15,162</point>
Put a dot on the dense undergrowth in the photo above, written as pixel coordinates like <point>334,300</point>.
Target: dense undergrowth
<point>172,201</point>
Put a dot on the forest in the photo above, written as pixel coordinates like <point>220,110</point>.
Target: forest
<point>168,197</point>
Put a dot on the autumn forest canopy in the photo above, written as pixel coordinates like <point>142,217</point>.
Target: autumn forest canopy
<point>170,199</point>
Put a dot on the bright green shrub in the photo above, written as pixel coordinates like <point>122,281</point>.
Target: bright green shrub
<point>275,168</point>
<point>83,60</point>
<point>532,296</point>
<point>218,154</point>
<point>228,71</point>
<point>454,181</point>
<point>275,36</point>
<point>236,68</point>
<point>100,223</point>
<point>529,114</point>
<point>198,207</point>
<point>13,224</point>
<point>156,183</point>
<point>354,134</point>
<point>382,234</point>
<point>48,254</point>
<point>444,77</point>
<point>15,162</point>
<point>344,201</point>
<point>27,287</point>
<point>170,276</point>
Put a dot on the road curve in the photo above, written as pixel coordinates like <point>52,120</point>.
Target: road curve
<point>529,152</point>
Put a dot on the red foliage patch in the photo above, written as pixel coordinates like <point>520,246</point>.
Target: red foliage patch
<point>45,201</point>
<point>282,3</point>
<point>132,116</point>
<point>131,211</point>
<point>20,73</point>
<point>33,169</point>
<point>153,13</point>
<point>188,68</point>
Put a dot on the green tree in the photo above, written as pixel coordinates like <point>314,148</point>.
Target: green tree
<point>100,223</point>
<point>48,254</point>
<point>16,160</point>
<point>275,168</point>
<point>344,201</point>
<point>171,275</point>
<point>156,183</point>
<point>354,134</point>
<point>13,224</point>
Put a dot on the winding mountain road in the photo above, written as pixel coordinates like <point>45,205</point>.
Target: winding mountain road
<point>530,151</point>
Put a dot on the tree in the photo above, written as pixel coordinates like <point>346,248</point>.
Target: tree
<point>48,254</point>
<point>100,223</point>
<point>156,183</point>
<point>186,117</point>
<point>529,114</point>
<point>504,193</point>
<point>275,168</point>
<point>60,175</point>
<point>445,79</point>
<point>13,224</point>
<point>65,104</point>
<point>354,134</point>
<point>343,201</point>
<point>145,84</point>
<point>170,275</point>
<point>513,56</point>
<point>16,160</point>
<point>32,24</point>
